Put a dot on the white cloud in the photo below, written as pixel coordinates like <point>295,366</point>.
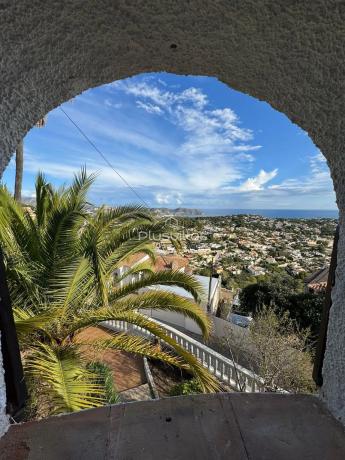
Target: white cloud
<point>196,154</point>
<point>29,193</point>
<point>55,169</point>
<point>179,198</point>
<point>110,103</point>
<point>150,108</point>
<point>160,96</point>
<point>218,129</point>
<point>317,181</point>
<point>254,184</point>
<point>313,190</point>
<point>163,198</point>
<point>169,198</point>
<point>213,141</point>
<point>104,128</point>
<point>161,82</point>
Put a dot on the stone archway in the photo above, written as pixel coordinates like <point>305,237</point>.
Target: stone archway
<point>288,53</point>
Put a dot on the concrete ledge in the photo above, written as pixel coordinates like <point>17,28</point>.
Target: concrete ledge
<point>150,379</point>
<point>203,427</point>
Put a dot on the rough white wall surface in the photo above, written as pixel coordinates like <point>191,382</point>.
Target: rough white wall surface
<point>4,421</point>
<point>289,53</point>
<point>334,362</point>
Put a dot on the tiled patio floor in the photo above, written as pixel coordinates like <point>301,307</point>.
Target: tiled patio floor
<point>128,370</point>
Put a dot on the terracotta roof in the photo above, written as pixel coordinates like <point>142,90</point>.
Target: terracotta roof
<point>320,276</point>
<point>133,259</point>
<point>172,262</point>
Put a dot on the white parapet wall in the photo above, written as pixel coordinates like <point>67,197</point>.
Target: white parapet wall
<point>226,370</point>
<point>4,420</point>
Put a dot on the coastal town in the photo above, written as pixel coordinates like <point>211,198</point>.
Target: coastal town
<point>243,249</point>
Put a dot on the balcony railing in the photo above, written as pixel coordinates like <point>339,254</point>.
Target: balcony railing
<point>227,371</point>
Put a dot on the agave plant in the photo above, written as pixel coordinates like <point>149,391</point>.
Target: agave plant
<point>61,264</point>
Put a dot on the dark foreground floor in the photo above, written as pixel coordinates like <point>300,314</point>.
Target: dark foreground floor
<point>223,426</point>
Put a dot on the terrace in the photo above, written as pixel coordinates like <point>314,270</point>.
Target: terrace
<point>220,426</point>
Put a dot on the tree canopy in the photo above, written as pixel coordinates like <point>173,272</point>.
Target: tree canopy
<point>284,294</point>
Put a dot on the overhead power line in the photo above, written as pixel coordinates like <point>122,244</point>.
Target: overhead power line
<point>107,161</point>
<point>103,156</point>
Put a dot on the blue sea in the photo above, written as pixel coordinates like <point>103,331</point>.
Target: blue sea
<point>275,213</point>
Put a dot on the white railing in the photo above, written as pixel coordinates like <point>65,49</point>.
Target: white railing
<point>232,374</point>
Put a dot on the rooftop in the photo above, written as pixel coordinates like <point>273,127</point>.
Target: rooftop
<point>204,282</point>
<point>173,262</point>
<point>320,276</point>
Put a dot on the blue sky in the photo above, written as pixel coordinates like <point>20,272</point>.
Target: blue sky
<point>180,141</point>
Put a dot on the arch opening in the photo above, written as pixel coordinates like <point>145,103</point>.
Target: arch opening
<point>211,131</point>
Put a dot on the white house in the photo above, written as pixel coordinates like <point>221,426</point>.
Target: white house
<point>177,319</point>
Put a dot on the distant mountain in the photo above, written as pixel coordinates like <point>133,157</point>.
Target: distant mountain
<point>178,212</point>
<point>29,201</point>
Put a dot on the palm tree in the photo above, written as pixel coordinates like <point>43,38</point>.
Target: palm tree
<point>20,162</point>
<point>61,265</point>
<point>19,171</point>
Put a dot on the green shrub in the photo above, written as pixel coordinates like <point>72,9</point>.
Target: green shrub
<point>188,387</point>
<point>106,380</point>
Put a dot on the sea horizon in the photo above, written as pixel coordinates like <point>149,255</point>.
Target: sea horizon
<point>270,213</point>
<point>275,213</point>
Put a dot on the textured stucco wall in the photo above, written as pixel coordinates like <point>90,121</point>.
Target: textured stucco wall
<point>289,53</point>
<point>4,421</point>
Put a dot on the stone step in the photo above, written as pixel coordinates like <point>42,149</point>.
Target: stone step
<point>140,393</point>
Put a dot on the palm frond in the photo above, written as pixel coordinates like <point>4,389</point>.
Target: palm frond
<point>155,300</point>
<point>119,256</point>
<point>16,230</point>
<point>71,386</point>
<point>28,322</point>
<point>167,278</point>
<point>70,284</point>
<point>126,237</point>
<point>23,281</point>
<point>121,214</point>
<point>43,199</point>
<point>91,247</point>
<point>144,268</point>
<point>61,235</point>
<point>207,382</point>
<point>165,301</point>
<point>137,345</point>
<point>76,193</point>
